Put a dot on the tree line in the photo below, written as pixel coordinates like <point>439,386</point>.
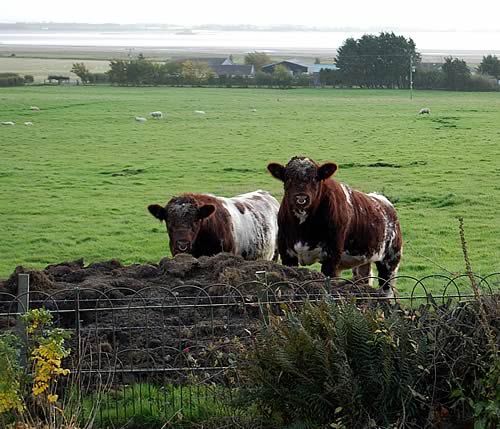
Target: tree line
<point>14,79</point>
<point>139,71</point>
<point>385,61</point>
<point>382,61</point>
<point>453,74</point>
<point>372,61</point>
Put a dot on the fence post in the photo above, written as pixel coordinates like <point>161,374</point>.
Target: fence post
<point>78,331</point>
<point>328,285</point>
<point>23,303</point>
<point>262,294</point>
<point>23,293</point>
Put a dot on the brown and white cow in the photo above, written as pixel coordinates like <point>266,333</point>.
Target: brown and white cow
<point>321,220</point>
<point>203,224</point>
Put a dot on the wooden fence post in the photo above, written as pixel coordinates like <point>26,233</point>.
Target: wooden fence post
<point>23,293</point>
<point>23,304</point>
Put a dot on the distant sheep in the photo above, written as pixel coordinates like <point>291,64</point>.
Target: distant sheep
<point>199,112</point>
<point>28,124</point>
<point>8,123</point>
<point>424,110</point>
<point>140,119</point>
<point>35,108</point>
<point>156,115</point>
<point>253,110</point>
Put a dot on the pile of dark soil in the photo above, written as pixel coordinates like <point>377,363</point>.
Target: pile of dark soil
<point>179,313</point>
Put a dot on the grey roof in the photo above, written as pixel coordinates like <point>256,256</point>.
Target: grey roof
<point>291,62</point>
<point>233,70</point>
<point>211,61</point>
<point>311,68</point>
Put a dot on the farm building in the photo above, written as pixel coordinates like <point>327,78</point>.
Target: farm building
<point>224,66</point>
<point>295,67</point>
<point>232,70</point>
<point>211,61</point>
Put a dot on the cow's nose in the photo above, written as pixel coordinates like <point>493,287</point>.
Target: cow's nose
<point>182,245</point>
<point>302,199</point>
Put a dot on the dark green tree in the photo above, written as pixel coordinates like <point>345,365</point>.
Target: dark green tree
<point>490,65</point>
<point>329,77</point>
<point>82,72</point>
<point>381,61</point>
<point>457,74</point>
<point>118,72</point>
<point>348,61</point>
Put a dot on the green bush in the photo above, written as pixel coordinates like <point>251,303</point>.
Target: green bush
<point>347,367</point>
<point>98,78</point>
<point>11,79</point>
<point>482,83</point>
<point>263,79</point>
<point>432,79</point>
<point>302,80</point>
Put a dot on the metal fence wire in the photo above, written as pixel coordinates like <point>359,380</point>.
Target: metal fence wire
<point>174,350</point>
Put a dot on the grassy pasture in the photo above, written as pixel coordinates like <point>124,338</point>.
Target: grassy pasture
<point>78,182</point>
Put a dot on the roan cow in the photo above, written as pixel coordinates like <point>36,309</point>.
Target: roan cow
<point>321,220</point>
<point>203,224</point>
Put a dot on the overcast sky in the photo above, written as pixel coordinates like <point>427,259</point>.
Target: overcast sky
<point>425,14</point>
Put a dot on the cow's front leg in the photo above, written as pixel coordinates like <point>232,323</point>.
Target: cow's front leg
<point>290,261</point>
<point>330,265</point>
<point>330,269</point>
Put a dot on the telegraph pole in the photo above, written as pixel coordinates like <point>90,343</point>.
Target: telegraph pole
<point>411,77</point>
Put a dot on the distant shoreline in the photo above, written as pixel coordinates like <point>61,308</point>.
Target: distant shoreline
<point>110,52</point>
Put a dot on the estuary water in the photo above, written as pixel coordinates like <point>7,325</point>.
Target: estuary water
<point>271,41</point>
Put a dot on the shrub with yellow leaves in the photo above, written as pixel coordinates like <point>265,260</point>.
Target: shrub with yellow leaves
<point>36,382</point>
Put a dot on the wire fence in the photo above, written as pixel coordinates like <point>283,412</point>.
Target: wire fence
<point>170,350</point>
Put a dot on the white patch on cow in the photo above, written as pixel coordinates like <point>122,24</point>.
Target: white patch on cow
<point>370,277</point>
<point>256,229</point>
<point>380,197</point>
<point>306,255</point>
<point>304,162</point>
<point>301,215</point>
<point>361,275</point>
<point>389,228</point>
<point>380,253</point>
<point>347,192</point>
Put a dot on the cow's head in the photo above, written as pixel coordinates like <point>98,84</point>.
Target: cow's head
<point>302,179</point>
<point>183,217</point>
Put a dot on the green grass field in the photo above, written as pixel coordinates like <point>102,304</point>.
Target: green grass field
<point>77,183</point>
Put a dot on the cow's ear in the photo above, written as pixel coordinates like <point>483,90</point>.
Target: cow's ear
<point>277,171</point>
<point>205,211</point>
<point>158,211</point>
<point>326,170</point>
